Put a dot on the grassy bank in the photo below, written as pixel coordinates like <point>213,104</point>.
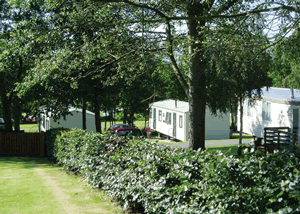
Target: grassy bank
<point>34,185</point>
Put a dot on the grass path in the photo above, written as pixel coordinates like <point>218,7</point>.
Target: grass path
<point>33,185</point>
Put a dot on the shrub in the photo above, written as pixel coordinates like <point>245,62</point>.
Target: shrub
<point>154,178</point>
<point>51,136</point>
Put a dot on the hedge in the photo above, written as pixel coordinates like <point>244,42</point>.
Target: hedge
<point>151,178</point>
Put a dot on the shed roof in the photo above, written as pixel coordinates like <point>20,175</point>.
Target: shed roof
<point>73,109</point>
<point>281,94</point>
<point>182,106</point>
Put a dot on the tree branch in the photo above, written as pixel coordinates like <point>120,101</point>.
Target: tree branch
<point>173,60</point>
<point>111,62</point>
<point>145,6</point>
<point>226,6</point>
<point>208,17</point>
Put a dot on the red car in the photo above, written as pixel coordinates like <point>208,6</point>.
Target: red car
<point>128,132</point>
<point>113,128</point>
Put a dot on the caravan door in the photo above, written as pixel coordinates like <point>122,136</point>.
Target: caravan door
<point>174,125</point>
<point>295,124</point>
<point>154,118</point>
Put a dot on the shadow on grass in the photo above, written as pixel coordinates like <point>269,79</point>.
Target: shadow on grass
<point>25,162</point>
<point>237,136</point>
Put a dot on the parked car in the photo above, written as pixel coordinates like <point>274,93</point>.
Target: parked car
<point>2,125</point>
<point>113,128</point>
<point>128,132</point>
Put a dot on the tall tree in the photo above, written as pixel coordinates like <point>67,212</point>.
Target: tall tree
<point>243,68</point>
<point>286,61</point>
<point>202,19</point>
<point>18,50</point>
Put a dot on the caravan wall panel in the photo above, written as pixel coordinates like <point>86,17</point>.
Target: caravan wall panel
<point>75,121</point>
<point>216,127</point>
<point>281,115</point>
<point>164,123</point>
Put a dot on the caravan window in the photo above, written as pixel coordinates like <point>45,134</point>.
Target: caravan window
<point>150,113</point>
<point>266,111</point>
<point>248,108</point>
<point>180,121</point>
<point>47,125</point>
<point>159,115</point>
<point>168,118</point>
<point>44,121</point>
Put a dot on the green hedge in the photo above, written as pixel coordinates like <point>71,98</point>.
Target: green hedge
<point>152,178</point>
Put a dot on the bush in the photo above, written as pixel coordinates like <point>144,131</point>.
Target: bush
<point>51,148</point>
<point>152,178</point>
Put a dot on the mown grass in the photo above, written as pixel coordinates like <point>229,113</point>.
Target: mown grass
<point>228,150</point>
<point>34,185</point>
<point>34,127</point>
<point>29,127</point>
<point>244,136</point>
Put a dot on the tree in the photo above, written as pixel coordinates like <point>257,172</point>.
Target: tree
<point>119,20</point>
<point>243,68</point>
<point>18,50</point>
<point>203,18</point>
<point>75,67</point>
<point>286,61</point>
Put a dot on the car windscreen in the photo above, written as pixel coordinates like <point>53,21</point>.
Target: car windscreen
<point>123,126</point>
<point>130,133</point>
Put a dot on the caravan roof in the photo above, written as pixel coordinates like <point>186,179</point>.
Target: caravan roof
<point>182,106</point>
<point>281,94</point>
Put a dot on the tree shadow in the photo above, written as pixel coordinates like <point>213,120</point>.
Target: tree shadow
<point>25,162</point>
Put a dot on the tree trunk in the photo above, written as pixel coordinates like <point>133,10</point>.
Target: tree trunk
<point>6,104</point>
<point>131,116</point>
<point>241,125</point>
<point>84,113</point>
<point>97,116</point>
<point>17,113</point>
<point>197,79</point>
<point>105,117</point>
<point>145,115</point>
<point>125,115</point>
<point>113,115</point>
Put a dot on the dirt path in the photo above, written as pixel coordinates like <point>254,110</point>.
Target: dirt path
<point>62,197</point>
<point>65,200</point>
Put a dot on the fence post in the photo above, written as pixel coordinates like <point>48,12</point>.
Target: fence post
<point>278,139</point>
<point>265,140</point>
<point>42,144</point>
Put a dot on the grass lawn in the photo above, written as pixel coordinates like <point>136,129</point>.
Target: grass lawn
<point>30,127</point>
<point>34,185</point>
<point>34,128</point>
<point>234,136</point>
<point>229,150</point>
<point>244,136</point>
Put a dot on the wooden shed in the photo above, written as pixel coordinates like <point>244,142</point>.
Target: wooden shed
<point>171,118</point>
<point>73,120</point>
<point>279,107</point>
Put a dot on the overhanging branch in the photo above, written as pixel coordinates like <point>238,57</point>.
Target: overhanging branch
<point>207,17</point>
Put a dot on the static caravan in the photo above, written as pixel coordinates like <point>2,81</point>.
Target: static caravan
<point>171,118</point>
<point>279,107</point>
<point>72,121</point>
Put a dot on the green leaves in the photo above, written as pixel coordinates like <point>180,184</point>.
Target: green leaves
<point>151,178</point>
